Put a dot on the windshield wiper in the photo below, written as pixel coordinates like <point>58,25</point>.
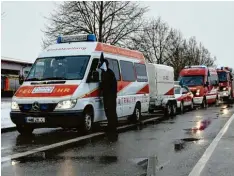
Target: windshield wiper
<point>54,78</point>
<point>32,79</point>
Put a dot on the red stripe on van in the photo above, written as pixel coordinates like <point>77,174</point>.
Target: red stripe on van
<point>119,51</point>
<point>170,92</point>
<point>58,91</point>
<point>144,90</point>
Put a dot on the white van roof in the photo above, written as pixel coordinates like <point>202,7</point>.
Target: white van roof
<point>88,48</point>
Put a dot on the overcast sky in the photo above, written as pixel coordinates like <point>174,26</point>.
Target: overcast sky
<point>211,22</point>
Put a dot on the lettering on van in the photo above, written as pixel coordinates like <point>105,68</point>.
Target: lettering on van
<point>166,78</point>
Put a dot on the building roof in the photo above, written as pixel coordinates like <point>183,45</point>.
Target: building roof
<point>20,61</point>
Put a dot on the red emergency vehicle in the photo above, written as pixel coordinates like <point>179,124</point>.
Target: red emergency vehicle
<point>226,83</point>
<point>203,82</point>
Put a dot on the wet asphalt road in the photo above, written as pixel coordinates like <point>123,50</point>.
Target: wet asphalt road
<point>174,146</point>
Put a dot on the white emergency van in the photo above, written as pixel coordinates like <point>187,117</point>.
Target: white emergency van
<point>62,87</point>
<point>161,86</point>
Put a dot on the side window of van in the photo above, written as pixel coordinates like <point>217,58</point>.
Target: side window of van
<point>141,72</point>
<point>93,67</point>
<point>213,79</point>
<point>114,66</point>
<point>127,71</point>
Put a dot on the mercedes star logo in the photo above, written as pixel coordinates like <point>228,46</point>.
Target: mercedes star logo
<point>35,106</point>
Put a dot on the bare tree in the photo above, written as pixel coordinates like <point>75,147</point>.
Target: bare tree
<point>153,41</point>
<point>111,21</point>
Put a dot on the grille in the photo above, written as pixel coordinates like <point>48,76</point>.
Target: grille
<point>49,107</point>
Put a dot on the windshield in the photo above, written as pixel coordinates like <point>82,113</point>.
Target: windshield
<point>55,68</point>
<point>177,90</point>
<point>192,80</point>
<point>222,76</point>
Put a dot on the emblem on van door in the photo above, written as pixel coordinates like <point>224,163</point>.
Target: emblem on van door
<point>35,106</point>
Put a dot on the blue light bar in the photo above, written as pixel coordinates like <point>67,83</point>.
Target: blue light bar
<point>76,38</point>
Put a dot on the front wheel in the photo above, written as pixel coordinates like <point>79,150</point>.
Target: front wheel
<point>87,122</point>
<point>168,110</point>
<point>24,130</point>
<point>204,103</point>
<point>136,116</point>
<point>181,107</point>
<point>192,106</point>
<point>174,109</point>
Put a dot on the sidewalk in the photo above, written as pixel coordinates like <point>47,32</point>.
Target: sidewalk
<point>5,116</point>
<point>221,162</point>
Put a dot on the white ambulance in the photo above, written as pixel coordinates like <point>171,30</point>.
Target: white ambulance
<point>161,86</point>
<point>62,87</point>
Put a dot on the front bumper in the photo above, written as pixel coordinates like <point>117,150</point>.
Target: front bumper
<point>224,94</point>
<point>52,119</point>
<point>197,100</point>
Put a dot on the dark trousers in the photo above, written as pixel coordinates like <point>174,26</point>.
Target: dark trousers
<point>110,111</point>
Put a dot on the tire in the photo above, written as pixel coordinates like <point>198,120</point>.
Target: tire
<point>87,122</point>
<point>174,109</point>
<point>24,130</point>
<point>151,111</point>
<point>217,101</point>
<point>167,111</point>
<point>192,106</point>
<point>136,116</point>
<point>182,108</point>
<point>204,103</point>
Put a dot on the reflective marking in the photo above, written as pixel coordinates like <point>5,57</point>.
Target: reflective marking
<point>206,156</point>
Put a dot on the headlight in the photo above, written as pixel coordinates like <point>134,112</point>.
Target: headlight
<point>14,106</point>
<point>67,104</point>
<point>198,92</point>
<point>224,88</point>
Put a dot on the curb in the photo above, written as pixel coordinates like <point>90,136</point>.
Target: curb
<point>71,141</point>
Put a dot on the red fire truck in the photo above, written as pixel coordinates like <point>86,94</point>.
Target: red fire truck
<point>203,82</point>
<point>226,83</point>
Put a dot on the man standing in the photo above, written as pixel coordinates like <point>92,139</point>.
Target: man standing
<point>109,89</point>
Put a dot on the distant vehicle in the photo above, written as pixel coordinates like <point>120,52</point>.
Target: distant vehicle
<point>62,88</point>
<point>203,82</point>
<point>184,98</point>
<point>161,88</point>
<point>226,83</point>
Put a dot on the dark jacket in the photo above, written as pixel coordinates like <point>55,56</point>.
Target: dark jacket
<point>108,84</point>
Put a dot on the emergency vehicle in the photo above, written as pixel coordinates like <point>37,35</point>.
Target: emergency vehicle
<point>161,86</point>
<point>62,87</point>
<point>203,82</point>
<point>226,83</point>
<point>184,98</point>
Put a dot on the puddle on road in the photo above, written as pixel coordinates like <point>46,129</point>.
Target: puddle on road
<point>181,143</point>
<point>190,139</point>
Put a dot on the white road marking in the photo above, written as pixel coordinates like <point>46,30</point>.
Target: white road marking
<point>206,156</point>
<point>40,149</point>
<point>59,144</point>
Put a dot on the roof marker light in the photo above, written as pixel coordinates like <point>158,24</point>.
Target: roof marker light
<point>76,38</point>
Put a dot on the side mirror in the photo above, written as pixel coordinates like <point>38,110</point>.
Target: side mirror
<point>21,79</point>
<point>206,84</point>
<point>94,77</point>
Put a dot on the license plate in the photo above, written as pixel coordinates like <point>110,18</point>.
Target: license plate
<point>35,119</point>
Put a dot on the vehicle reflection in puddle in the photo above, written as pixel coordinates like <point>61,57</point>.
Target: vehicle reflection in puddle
<point>200,126</point>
